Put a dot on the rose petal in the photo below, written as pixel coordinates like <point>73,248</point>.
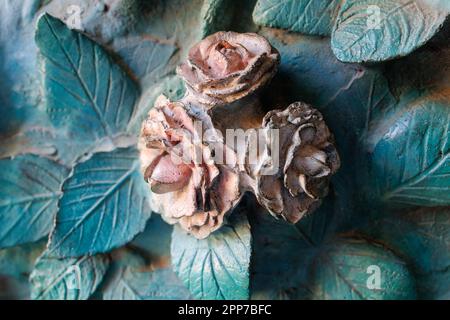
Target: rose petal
<point>168,177</point>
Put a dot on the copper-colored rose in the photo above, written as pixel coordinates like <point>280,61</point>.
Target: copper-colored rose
<point>188,187</point>
<point>307,158</point>
<point>228,66</point>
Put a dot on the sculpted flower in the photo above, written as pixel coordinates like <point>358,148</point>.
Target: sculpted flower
<point>228,66</point>
<point>307,160</point>
<point>189,188</point>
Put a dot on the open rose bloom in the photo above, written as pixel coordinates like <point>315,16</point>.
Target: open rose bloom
<point>228,66</point>
<point>188,186</point>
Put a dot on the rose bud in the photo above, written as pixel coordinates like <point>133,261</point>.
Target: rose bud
<point>307,158</point>
<point>227,66</point>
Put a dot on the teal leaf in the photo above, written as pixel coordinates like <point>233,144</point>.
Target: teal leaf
<point>105,204</point>
<point>16,263</point>
<point>408,154</point>
<point>132,284</point>
<point>216,267</point>
<point>293,247</point>
<point>147,58</point>
<point>68,278</point>
<point>155,239</point>
<point>346,270</point>
<point>216,15</point>
<point>87,94</point>
<point>170,86</point>
<point>377,30</point>
<point>422,237</point>
<point>19,260</point>
<point>305,16</point>
<point>19,86</point>
<point>30,187</point>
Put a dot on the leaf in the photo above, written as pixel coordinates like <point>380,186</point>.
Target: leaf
<point>343,271</point>
<point>19,260</point>
<point>423,237</point>
<point>408,154</point>
<point>155,239</point>
<point>86,93</point>
<point>217,267</point>
<point>29,191</point>
<point>305,16</point>
<point>216,15</point>
<point>133,279</point>
<point>105,204</point>
<point>161,284</point>
<point>282,253</point>
<point>377,30</point>
<point>19,87</point>
<point>148,58</point>
<point>67,279</point>
<point>16,263</point>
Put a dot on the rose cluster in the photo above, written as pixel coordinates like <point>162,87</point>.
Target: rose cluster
<point>193,189</point>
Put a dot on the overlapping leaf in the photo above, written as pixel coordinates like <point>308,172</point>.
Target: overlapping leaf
<point>423,238</point>
<point>305,16</point>
<point>68,278</point>
<point>16,263</point>
<point>87,94</point>
<point>216,15</point>
<point>409,155</point>
<point>105,204</point>
<point>161,284</point>
<point>217,267</point>
<point>344,269</point>
<point>29,190</point>
<point>155,239</point>
<point>377,30</point>
<point>20,93</point>
<point>293,247</point>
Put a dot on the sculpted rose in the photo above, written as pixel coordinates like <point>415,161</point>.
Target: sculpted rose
<point>228,66</point>
<point>188,187</point>
<point>307,160</point>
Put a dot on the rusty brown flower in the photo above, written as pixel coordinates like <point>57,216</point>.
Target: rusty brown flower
<point>307,160</point>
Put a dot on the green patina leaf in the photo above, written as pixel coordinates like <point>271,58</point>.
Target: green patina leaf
<point>293,247</point>
<point>105,204</point>
<point>216,15</point>
<point>423,238</point>
<point>133,284</point>
<point>148,58</point>
<point>408,154</point>
<point>377,30</point>
<point>19,260</point>
<point>87,94</point>
<point>217,267</point>
<point>305,16</point>
<point>343,270</point>
<point>155,239</point>
<point>16,263</point>
<point>67,279</point>
<point>19,85</point>
<point>29,191</point>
